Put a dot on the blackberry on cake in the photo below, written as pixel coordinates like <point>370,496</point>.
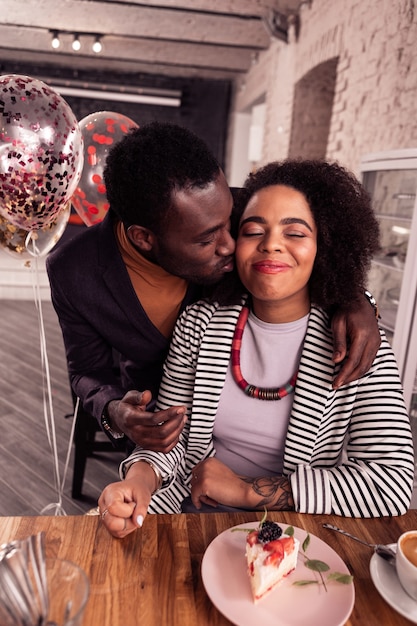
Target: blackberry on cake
<point>269,531</point>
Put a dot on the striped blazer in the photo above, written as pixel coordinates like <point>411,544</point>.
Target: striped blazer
<point>348,451</point>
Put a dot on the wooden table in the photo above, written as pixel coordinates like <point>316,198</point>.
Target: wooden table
<point>153,578</point>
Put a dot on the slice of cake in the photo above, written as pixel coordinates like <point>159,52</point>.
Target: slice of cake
<point>271,556</point>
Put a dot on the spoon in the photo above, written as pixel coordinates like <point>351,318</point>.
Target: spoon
<point>382,550</point>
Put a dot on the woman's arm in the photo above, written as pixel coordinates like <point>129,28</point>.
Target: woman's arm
<point>176,388</point>
<point>362,461</point>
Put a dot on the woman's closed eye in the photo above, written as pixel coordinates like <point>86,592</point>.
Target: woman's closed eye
<point>261,233</point>
<point>295,234</point>
<point>252,233</point>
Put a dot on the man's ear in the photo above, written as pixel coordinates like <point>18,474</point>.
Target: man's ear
<point>141,237</point>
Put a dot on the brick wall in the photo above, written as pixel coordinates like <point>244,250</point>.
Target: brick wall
<point>374,46</point>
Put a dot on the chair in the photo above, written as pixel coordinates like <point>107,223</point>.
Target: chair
<point>86,444</point>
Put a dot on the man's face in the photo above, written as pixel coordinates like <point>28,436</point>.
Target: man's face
<point>196,243</point>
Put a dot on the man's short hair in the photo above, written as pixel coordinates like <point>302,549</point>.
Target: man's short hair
<point>148,164</point>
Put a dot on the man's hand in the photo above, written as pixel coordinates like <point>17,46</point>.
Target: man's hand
<point>359,327</point>
<point>158,431</point>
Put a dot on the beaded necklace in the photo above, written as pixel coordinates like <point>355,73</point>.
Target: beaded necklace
<point>262,393</point>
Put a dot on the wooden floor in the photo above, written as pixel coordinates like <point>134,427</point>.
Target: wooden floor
<point>27,483</point>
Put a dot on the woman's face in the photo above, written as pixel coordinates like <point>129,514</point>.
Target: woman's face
<point>275,252</point>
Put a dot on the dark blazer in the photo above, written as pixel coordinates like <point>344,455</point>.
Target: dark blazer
<point>111,345</point>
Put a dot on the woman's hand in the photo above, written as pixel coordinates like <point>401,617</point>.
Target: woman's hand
<point>123,505</point>
<point>214,483</point>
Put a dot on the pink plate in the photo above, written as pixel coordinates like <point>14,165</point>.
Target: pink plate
<point>227,584</point>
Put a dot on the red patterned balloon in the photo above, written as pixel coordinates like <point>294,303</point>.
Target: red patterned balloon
<point>41,152</point>
<point>100,132</point>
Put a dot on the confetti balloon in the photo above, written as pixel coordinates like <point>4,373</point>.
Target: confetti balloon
<point>100,132</point>
<point>22,244</point>
<point>41,152</point>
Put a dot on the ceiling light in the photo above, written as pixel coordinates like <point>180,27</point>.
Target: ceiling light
<point>97,47</point>
<point>55,43</point>
<point>76,44</point>
<point>171,99</point>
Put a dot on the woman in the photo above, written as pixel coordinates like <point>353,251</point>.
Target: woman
<point>285,439</point>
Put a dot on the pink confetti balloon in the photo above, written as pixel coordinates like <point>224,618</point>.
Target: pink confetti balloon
<point>23,245</point>
<point>40,242</point>
<point>41,152</point>
<point>100,132</point>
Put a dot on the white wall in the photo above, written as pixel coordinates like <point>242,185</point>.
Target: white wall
<point>20,277</point>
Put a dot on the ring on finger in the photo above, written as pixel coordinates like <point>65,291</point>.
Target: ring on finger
<point>103,515</point>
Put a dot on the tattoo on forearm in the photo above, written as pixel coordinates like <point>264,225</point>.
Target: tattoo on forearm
<point>275,492</point>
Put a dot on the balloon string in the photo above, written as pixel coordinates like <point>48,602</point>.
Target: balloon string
<point>31,242</point>
<point>47,395</point>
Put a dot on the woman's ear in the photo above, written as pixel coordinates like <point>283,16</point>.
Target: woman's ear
<point>142,238</point>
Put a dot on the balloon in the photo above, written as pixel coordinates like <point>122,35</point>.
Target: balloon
<point>100,132</point>
<point>23,244</point>
<point>41,152</point>
<point>40,242</point>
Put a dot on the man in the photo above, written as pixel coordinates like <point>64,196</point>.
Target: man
<point>119,287</point>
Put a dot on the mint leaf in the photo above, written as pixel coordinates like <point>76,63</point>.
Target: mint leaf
<point>264,517</point>
<point>319,566</point>
<point>316,565</point>
<point>304,583</point>
<point>306,543</point>
<point>345,579</point>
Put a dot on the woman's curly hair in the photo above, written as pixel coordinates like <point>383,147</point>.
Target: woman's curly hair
<point>347,230</point>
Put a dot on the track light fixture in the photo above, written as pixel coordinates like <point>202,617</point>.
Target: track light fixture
<point>59,37</point>
<point>97,47</point>
<point>55,43</point>
<point>76,44</point>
